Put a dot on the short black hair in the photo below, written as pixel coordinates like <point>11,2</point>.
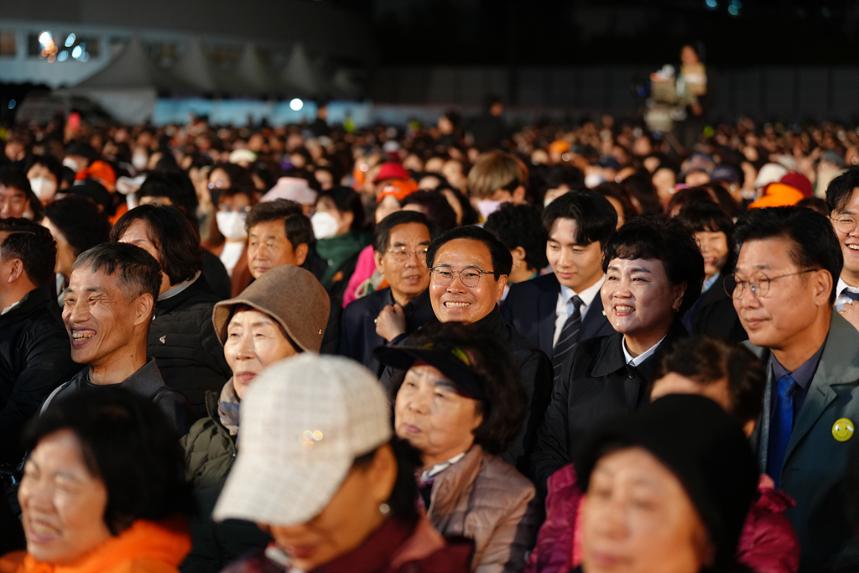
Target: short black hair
<point>11,176</point>
<point>346,200</point>
<point>814,242</point>
<point>839,190</point>
<point>502,260</point>
<point>297,226</point>
<point>50,163</point>
<point>503,407</point>
<point>382,232</point>
<point>138,270</point>
<point>595,218</point>
<point>666,241</point>
<point>709,218</point>
<point>520,226</point>
<point>33,244</point>
<point>173,235</point>
<point>80,222</point>
<point>173,184</point>
<point>405,491</point>
<point>438,209</point>
<point>707,360</point>
<point>128,443</point>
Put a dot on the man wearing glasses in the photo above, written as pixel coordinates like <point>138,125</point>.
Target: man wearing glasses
<point>843,202</point>
<point>468,272</point>
<point>783,290</point>
<point>400,246</point>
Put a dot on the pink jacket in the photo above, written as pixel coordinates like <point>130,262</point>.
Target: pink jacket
<point>768,543</point>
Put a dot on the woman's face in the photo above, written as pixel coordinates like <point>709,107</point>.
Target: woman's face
<point>65,253</point>
<point>350,516</point>
<point>639,300</point>
<point>218,179</point>
<point>254,340</point>
<point>433,417</point>
<point>343,219</point>
<point>637,518</point>
<point>62,503</point>
<point>714,249</point>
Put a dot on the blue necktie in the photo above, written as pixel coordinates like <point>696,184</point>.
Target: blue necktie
<point>781,426</point>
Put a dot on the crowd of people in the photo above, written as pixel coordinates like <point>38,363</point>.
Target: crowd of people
<point>455,347</point>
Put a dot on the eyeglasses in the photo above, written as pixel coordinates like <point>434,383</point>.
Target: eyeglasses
<point>401,253</point>
<point>759,287</point>
<point>844,223</point>
<point>469,276</point>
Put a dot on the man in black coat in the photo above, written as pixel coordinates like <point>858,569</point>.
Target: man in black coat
<point>34,347</point>
<point>579,224</point>
<point>181,337</point>
<point>400,243</point>
<point>469,269</point>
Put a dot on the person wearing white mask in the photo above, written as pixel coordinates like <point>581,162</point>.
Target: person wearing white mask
<point>338,225</point>
<point>45,174</point>
<point>228,239</point>
<point>496,178</point>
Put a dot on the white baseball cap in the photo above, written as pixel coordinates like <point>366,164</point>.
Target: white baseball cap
<point>303,423</point>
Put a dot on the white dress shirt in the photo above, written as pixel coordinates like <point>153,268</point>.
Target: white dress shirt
<point>564,306</point>
<point>637,360</point>
<point>840,298</point>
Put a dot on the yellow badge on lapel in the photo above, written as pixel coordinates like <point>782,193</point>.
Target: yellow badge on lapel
<point>842,429</point>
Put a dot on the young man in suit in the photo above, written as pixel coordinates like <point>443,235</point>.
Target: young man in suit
<point>579,224</point>
<point>783,289</point>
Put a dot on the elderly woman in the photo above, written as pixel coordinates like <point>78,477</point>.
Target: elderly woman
<point>659,499</point>
<point>320,470</point>
<point>654,272</point>
<point>103,489</point>
<point>257,328</point>
<point>460,405</point>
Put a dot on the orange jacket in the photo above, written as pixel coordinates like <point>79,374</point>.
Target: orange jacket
<point>145,547</point>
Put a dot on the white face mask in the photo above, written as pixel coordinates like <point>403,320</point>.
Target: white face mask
<point>44,187</point>
<point>487,207</point>
<point>324,225</point>
<point>71,164</point>
<point>231,224</point>
<point>593,179</point>
<point>140,161</point>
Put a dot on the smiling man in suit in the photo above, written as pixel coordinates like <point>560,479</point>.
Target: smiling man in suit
<point>783,289</point>
<point>556,311</point>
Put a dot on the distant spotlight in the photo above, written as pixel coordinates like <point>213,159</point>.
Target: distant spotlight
<point>70,40</point>
<point>734,8</point>
<point>12,104</point>
<point>295,104</point>
<point>63,56</point>
<point>45,39</point>
<point>77,52</point>
<point>711,4</point>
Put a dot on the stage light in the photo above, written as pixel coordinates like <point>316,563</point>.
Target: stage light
<point>45,39</point>
<point>77,52</point>
<point>711,4</point>
<point>295,104</point>
<point>734,8</point>
<point>70,40</point>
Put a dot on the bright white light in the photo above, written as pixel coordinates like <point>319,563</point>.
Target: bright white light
<point>63,56</point>
<point>70,40</point>
<point>295,104</point>
<point>76,53</point>
<point>46,39</point>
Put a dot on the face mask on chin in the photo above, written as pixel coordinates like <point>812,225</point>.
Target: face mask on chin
<point>44,187</point>
<point>324,225</point>
<point>231,225</point>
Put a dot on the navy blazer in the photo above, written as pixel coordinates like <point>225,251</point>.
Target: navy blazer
<point>358,336</point>
<point>530,308</point>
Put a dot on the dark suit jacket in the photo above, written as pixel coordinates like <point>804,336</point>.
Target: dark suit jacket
<point>598,385</point>
<point>530,308</point>
<point>358,336</point>
<point>534,372</point>
<point>815,462</point>
<point>713,315</point>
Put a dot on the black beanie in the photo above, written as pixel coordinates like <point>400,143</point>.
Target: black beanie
<point>703,447</point>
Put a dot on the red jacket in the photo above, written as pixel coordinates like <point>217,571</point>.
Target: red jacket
<point>768,543</point>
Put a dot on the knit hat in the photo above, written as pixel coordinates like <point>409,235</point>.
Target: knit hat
<point>304,422</point>
<point>290,295</point>
<point>703,446</point>
<point>798,181</point>
<point>391,170</point>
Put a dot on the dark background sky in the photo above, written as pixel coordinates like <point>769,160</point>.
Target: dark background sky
<point>565,32</point>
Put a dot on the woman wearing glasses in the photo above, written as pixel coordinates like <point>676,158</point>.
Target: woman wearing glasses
<point>654,272</point>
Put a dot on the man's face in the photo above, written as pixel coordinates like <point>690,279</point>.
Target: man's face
<point>779,316</point>
<point>844,221</point>
<point>13,202</point>
<point>576,266</point>
<point>268,247</point>
<point>454,301</point>
<point>99,316</point>
<point>404,263</point>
